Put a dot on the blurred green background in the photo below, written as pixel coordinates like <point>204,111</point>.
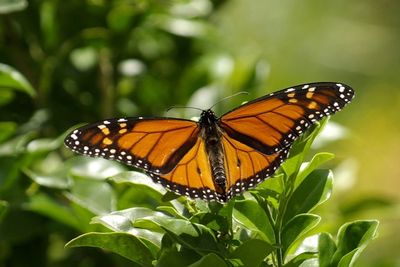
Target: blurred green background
<point>88,60</point>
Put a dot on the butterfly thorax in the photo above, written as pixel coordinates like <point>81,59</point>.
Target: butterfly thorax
<point>211,134</point>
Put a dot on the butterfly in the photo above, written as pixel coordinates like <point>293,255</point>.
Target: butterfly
<point>214,158</point>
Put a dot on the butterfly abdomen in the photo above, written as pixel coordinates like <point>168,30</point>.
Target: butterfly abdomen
<point>211,134</point>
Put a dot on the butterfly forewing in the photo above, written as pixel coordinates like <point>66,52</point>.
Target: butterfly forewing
<point>156,145</point>
<point>271,123</point>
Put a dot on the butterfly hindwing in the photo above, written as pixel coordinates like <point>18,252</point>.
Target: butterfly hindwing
<point>271,123</point>
<point>192,176</point>
<point>246,167</point>
<point>156,145</point>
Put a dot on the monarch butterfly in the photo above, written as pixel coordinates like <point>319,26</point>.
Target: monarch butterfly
<point>215,158</point>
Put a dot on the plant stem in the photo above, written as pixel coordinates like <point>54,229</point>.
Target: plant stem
<point>283,201</point>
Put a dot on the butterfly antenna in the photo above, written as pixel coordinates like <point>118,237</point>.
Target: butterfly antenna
<point>230,96</point>
<point>168,109</point>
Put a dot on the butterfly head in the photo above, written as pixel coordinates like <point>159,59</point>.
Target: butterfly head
<point>208,117</point>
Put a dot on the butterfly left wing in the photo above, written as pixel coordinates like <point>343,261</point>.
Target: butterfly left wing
<point>270,124</point>
<point>155,145</point>
<point>246,167</point>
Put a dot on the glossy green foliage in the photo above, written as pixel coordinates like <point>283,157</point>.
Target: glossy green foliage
<point>142,222</point>
<point>66,62</point>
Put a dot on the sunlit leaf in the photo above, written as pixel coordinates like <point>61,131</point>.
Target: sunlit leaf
<point>96,196</point>
<point>138,189</point>
<point>181,27</point>
<point>172,211</point>
<point>253,217</point>
<point>123,244</point>
<point>93,168</point>
<point>326,249</point>
<point>315,162</point>
<point>11,79</point>
<point>297,227</point>
<point>16,145</point>
<point>56,179</point>
<point>301,148</point>
<point>252,252</point>
<point>314,190</point>
<point>134,178</point>
<point>352,238</point>
<point>9,6</point>
<point>192,235</point>
<point>300,260</point>
<point>122,221</point>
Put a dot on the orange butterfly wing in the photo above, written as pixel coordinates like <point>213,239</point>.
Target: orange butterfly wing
<point>246,167</point>
<point>192,176</point>
<point>271,123</point>
<point>156,145</point>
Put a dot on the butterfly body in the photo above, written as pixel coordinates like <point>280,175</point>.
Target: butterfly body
<point>215,158</point>
<point>211,133</point>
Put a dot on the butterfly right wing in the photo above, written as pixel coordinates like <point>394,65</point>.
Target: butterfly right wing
<point>272,123</point>
<point>246,167</point>
<point>155,145</point>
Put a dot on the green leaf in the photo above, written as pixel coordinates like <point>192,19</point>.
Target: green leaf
<point>57,179</point>
<point>172,211</point>
<point>96,196</point>
<point>209,260</point>
<point>123,220</point>
<point>9,6</point>
<point>44,144</point>
<point>123,244</point>
<point>297,227</point>
<point>271,189</point>
<point>16,145</point>
<point>301,148</point>
<point>300,259</point>
<point>135,178</point>
<point>11,79</point>
<point>252,252</point>
<point>350,258</point>
<point>315,162</point>
<point>352,239</point>
<point>93,168</point>
<point>253,217</point>
<point>215,216</point>
<point>314,190</point>
<point>192,235</point>
<point>182,27</point>
<point>137,189</point>
<point>326,249</point>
